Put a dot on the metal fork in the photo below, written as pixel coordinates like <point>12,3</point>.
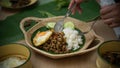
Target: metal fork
<point>59,25</point>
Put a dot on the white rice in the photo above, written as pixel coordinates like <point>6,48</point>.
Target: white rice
<point>73,38</point>
<point>11,62</point>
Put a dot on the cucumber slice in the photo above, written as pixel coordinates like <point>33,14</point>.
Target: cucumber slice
<point>50,25</point>
<point>69,25</point>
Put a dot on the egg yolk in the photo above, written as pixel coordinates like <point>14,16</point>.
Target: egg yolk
<point>41,34</point>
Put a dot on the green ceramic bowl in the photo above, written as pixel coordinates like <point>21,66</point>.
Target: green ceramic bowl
<point>106,49</point>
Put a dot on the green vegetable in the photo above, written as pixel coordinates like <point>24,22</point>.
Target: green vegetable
<point>50,25</point>
<point>61,4</point>
<point>5,3</point>
<point>45,13</point>
<point>69,25</point>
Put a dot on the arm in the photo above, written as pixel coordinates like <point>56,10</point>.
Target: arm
<point>77,8</point>
<point>109,14</point>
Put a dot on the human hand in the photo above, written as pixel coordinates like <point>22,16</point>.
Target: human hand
<point>77,8</point>
<point>111,15</point>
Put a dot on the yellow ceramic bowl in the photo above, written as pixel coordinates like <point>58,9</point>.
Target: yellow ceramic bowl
<point>17,50</point>
<point>108,46</point>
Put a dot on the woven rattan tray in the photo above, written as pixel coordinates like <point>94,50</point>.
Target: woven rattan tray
<point>90,37</point>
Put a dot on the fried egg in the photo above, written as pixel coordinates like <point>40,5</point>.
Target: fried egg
<point>41,37</point>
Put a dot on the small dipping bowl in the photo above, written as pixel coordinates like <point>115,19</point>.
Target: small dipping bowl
<point>16,50</point>
<point>108,54</point>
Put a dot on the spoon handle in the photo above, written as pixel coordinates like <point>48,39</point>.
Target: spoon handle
<point>70,10</point>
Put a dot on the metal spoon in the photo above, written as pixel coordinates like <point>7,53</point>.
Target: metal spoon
<point>91,27</point>
<point>59,25</point>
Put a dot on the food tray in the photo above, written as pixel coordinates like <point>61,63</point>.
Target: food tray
<point>83,26</point>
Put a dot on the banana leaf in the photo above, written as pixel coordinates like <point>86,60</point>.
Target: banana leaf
<point>10,30</point>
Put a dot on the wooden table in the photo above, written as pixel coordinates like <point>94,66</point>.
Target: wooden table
<point>87,60</point>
